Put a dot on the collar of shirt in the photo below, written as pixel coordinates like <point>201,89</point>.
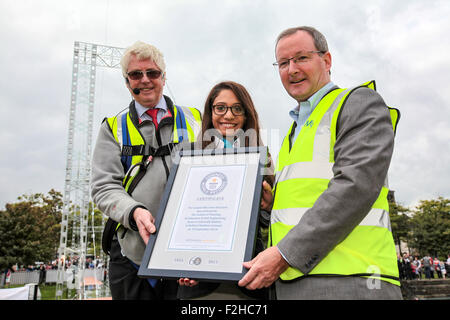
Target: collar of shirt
<point>228,144</point>
<point>141,110</point>
<point>223,143</point>
<point>305,108</point>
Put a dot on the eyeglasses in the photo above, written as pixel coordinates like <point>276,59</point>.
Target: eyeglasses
<point>299,59</point>
<point>138,74</point>
<point>236,109</point>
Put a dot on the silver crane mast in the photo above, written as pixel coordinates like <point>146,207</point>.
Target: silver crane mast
<point>86,58</point>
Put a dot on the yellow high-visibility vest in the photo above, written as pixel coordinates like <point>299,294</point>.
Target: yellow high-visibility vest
<point>302,175</point>
<point>187,124</point>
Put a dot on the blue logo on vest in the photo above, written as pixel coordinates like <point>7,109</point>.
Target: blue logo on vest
<point>309,123</point>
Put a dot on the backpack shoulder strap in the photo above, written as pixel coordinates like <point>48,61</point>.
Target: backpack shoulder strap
<point>108,234</point>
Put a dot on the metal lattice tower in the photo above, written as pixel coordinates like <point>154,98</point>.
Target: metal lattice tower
<point>86,58</point>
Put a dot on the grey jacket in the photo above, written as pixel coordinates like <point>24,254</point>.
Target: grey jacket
<point>363,151</point>
<point>107,174</point>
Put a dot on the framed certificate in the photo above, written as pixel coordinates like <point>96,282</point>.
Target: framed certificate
<point>207,221</point>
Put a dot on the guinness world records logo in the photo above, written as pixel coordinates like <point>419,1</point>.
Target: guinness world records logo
<point>213,183</point>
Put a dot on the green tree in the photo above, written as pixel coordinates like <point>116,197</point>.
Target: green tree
<point>430,226</point>
<point>400,222</point>
<point>30,229</point>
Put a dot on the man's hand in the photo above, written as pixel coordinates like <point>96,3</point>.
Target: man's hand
<point>145,223</point>
<point>267,197</point>
<point>264,269</point>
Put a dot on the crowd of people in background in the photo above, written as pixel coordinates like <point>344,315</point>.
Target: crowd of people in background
<point>91,263</point>
<point>69,262</point>
<point>412,267</point>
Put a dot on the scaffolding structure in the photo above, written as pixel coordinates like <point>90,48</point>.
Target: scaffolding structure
<point>86,58</point>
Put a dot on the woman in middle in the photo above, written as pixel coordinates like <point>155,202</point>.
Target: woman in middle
<point>230,121</point>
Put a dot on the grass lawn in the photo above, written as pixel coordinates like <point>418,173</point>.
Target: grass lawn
<point>48,291</point>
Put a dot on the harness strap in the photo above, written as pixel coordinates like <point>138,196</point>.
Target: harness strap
<point>147,150</point>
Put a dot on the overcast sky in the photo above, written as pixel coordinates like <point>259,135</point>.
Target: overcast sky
<point>403,45</point>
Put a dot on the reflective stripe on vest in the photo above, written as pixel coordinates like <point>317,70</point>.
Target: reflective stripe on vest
<point>303,174</point>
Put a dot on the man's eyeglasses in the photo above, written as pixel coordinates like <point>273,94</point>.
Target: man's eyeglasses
<point>236,109</point>
<point>138,74</point>
<point>299,59</point>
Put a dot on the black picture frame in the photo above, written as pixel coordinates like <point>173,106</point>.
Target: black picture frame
<point>157,249</point>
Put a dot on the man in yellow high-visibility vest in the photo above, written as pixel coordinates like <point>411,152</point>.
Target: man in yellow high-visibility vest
<point>330,235</point>
<point>130,168</point>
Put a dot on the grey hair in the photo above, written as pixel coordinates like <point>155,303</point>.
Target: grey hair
<point>319,39</point>
<point>142,51</point>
